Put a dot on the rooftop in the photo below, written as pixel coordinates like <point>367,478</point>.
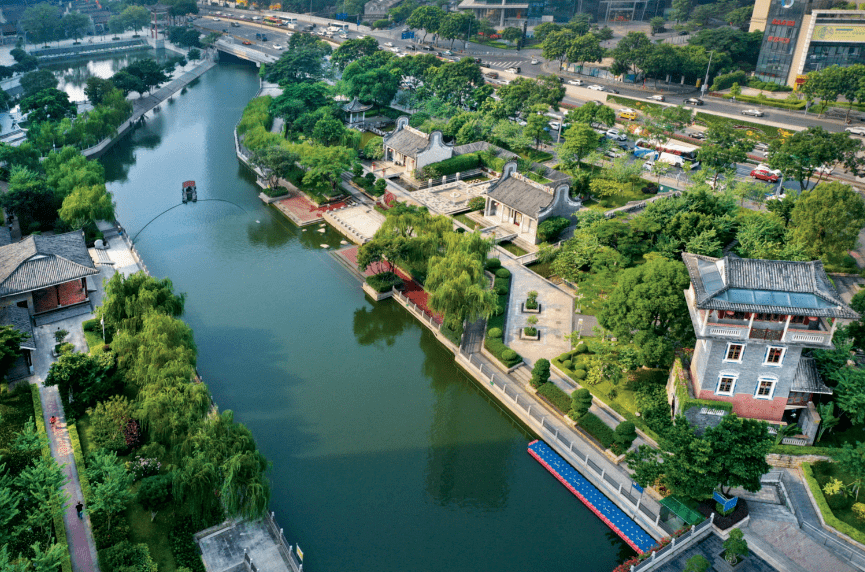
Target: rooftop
<point>19,318</point>
<point>522,194</point>
<point>807,378</point>
<point>39,261</point>
<point>408,141</point>
<point>764,286</point>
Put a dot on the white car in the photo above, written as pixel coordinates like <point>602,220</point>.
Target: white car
<point>395,50</point>
<point>860,131</point>
<point>555,125</point>
<point>774,197</point>
<point>535,61</point>
<point>521,123</point>
<point>278,47</point>
<point>575,82</point>
<point>616,135</point>
<point>752,112</point>
<point>389,44</point>
<point>657,98</point>
<point>597,87</point>
<point>824,170</point>
<point>613,154</point>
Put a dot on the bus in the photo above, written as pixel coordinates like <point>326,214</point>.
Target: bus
<point>688,153</point>
<point>273,21</point>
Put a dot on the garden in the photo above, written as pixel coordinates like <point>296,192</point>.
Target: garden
<point>836,488</point>
<point>494,340</point>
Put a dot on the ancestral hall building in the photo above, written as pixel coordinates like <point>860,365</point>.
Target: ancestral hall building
<point>755,321</point>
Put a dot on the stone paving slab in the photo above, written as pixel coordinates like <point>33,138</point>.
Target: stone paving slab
<point>224,550</point>
<point>364,220</point>
<point>788,539</point>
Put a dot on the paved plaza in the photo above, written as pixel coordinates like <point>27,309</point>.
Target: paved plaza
<point>452,197</point>
<point>359,222</point>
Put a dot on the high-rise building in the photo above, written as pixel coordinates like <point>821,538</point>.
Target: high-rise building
<point>504,13</point>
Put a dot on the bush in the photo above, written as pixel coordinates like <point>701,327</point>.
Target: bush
<point>625,432</point>
<point>859,510</point>
<point>154,492</point>
<point>509,355</point>
<point>728,79</point>
<point>498,348</point>
<point>502,289</point>
<point>503,273</point>
<point>580,374</point>
<point>494,333</point>
<point>104,537</point>
<point>597,429</point>
<point>381,24</point>
<point>458,164</point>
<point>550,229</point>
<point>91,325</point>
<point>567,364</point>
<point>476,203</point>
<point>581,400</point>
<point>541,371</point>
<point>556,396</point>
<point>384,281</point>
<point>379,187</point>
<point>581,348</point>
<point>492,264</point>
<point>839,501</point>
<point>127,557</point>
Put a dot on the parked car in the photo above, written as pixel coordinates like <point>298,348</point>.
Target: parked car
<point>492,75</point>
<point>555,125</point>
<point>684,33</point>
<point>246,43</point>
<point>535,61</point>
<point>389,44</point>
<point>395,50</point>
<point>597,87</point>
<point>612,153</point>
<point>752,112</point>
<point>477,60</point>
<point>628,114</point>
<point>616,135</point>
<point>774,197</point>
<point>575,82</point>
<point>760,146</point>
<point>695,135</point>
<point>514,70</point>
<point>278,47</point>
<point>657,98</point>
<point>448,53</point>
<point>765,173</point>
<point>860,131</point>
<point>824,170</point>
<point>696,101</point>
<point>235,25</point>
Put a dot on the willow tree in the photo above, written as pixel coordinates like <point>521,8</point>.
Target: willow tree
<point>127,300</point>
<point>456,283</point>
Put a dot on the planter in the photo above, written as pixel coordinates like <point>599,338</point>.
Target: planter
<point>529,310</point>
<point>721,565</point>
<point>524,336</point>
<point>374,294</point>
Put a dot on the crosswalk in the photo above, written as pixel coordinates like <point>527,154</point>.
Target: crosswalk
<point>504,65</point>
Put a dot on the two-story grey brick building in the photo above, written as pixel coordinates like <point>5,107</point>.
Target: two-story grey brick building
<point>753,320</point>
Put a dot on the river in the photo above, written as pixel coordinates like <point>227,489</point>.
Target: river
<point>386,456</point>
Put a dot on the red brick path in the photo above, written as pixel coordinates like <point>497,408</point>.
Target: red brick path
<point>305,210</point>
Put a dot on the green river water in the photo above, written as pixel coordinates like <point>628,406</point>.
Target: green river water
<point>386,456</point>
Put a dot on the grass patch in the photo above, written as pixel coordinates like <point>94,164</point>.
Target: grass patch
<point>633,192</point>
<point>464,218</point>
<point>558,398</point>
<point>754,130</point>
<point>94,341</point>
<point>544,269</point>
<point>797,450</point>
<point>595,289</point>
<point>495,345</point>
<point>82,425</point>
<point>843,520</point>
<point>536,156</point>
<point>637,104</point>
<point>154,534</point>
<point>513,248</point>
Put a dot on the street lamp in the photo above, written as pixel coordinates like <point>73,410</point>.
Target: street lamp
<point>706,81</point>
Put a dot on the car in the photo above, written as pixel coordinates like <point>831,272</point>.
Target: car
<point>395,50</point>
<point>555,125</point>
<point>657,98</point>
<point>345,37</point>
<point>695,135</point>
<point>860,131</point>
<point>235,25</point>
<point>521,123</point>
<point>492,75</point>
<point>616,91</point>
<point>612,153</point>
<point>278,47</point>
<point>752,112</point>
<point>765,173</point>
<point>246,43</point>
<point>696,101</point>
<point>760,146</point>
<point>616,135</point>
<point>389,44</point>
<point>776,197</point>
<point>535,61</point>
<point>575,82</point>
<point>824,170</point>
<point>513,70</point>
<point>648,165</point>
<point>596,87</point>
<point>217,19</point>
<point>264,37</point>
<point>628,114</point>
<point>448,53</point>
<point>684,33</point>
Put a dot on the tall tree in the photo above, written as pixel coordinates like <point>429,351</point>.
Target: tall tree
<point>276,162</point>
<point>41,22</point>
<point>30,199</point>
<point>75,25</point>
<point>556,45</point>
<point>580,139</point>
<point>456,282</point>
<point>136,17</point>
<point>633,50</point>
<point>35,81</point>
<point>87,204</point>
<point>44,496</point>
<point>585,49</point>
<point>351,50</point>
<point>110,484</point>
<point>592,112</point>
<point>325,165</point>
<point>827,220</point>
<point>426,18</point>
<point>128,299</point>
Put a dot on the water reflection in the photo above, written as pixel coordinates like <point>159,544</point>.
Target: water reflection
<point>72,74</point>
<point>381,324</point>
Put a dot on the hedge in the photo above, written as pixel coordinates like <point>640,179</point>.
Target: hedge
<point>798,450</point>
<point>689,403</point>
<point>770,101</point>
<point>598,429</point>
<point>75,439</point>
<point>726,80</point>
<point>492,264</point>
<point>560,399</point>
<point>496,346</point>
<point>59,526</point>
<point>828,516</point>
<point>550,229</point>
<point>458,164</point>
<point>91,325</point>
<point>384,281</point>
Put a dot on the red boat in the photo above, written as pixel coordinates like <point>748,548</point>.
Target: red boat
<point>189,193</point>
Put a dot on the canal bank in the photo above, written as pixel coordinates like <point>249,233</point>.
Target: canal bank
<point>386,455</point>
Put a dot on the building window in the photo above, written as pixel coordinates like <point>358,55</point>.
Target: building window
<point>734,352</point>
<point>726,384</point>
<point>765,388</point>
<point>774,356</point>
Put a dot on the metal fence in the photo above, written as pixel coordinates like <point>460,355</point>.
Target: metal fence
<point>606,482</point>
<point>659,557</point>
<point>417,310</point>
<point>285,549</point>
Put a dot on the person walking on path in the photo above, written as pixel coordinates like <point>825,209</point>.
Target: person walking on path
<point>79,508</point>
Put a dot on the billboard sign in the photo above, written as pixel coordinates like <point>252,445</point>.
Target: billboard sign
<point>835,33</point>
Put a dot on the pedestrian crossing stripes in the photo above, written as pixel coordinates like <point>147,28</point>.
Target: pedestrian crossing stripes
<point>504,65</point>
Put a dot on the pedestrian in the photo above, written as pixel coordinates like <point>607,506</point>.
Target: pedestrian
<point>52,420</point>
<point>79,508</point>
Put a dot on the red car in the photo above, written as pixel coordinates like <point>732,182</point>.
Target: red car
<point>247,43</point>
<point>766,174</point>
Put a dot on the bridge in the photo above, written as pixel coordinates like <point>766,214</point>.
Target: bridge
<point>244,52</point>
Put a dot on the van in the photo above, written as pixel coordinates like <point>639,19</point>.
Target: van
<point>628,114</point>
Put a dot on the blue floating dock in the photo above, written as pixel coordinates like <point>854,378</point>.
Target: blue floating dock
<point>598,503</point>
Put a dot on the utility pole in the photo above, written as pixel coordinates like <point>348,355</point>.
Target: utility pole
<point>706,81</point>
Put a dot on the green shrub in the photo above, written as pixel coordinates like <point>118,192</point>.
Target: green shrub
<point>492,264</point>
<point>581,348</point>
<point>476,203</point>
<point>726,80</point>
<point>550,229</point>
<point>381,24</point>
<point>556,396</point>
<point>567,364</point>
<point>502,289</point>
<point>580,374</point>
<point>598,429</point>
<point>458,164</point>
<point>503,273</point>
<point>127,557</point>
<point>498,348</point>
<point>541,372</point>
<point>499,310</point>
<point>828,516</point>
<point>183,546</point>
<point>105,537</point>
<point>494,333</point>
<point>625,432</point>
<point>91,325</point>
<point>509,355</point>
<point>384,281</point>
<point>839,501</point>
<point>581,401</point>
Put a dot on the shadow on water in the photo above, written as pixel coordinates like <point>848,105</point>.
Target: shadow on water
<point>380,324</point>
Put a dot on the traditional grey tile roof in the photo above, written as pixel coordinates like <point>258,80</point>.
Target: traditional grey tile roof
<point>521,196</point>
<point>19,318</point>
<point>766,286</point>
<point>355,106</point>
<point>807,378</point>
<point>407,142</point>
<point>483,146</point>
<point>41,261</point>
<point>5,236</point>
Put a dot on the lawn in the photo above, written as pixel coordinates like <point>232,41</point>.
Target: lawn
<point>544,269</point>
<point>536,155</point>
<point>83,425</point>
<point>155,534</point>
<point>94,341</point>
<point>823,472</point>
<point>635,103</point>
<point>754,130</point>
<point>595,289</point>
<point>631,192</point>
<point>512,248</point>
<point>464,218</point>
